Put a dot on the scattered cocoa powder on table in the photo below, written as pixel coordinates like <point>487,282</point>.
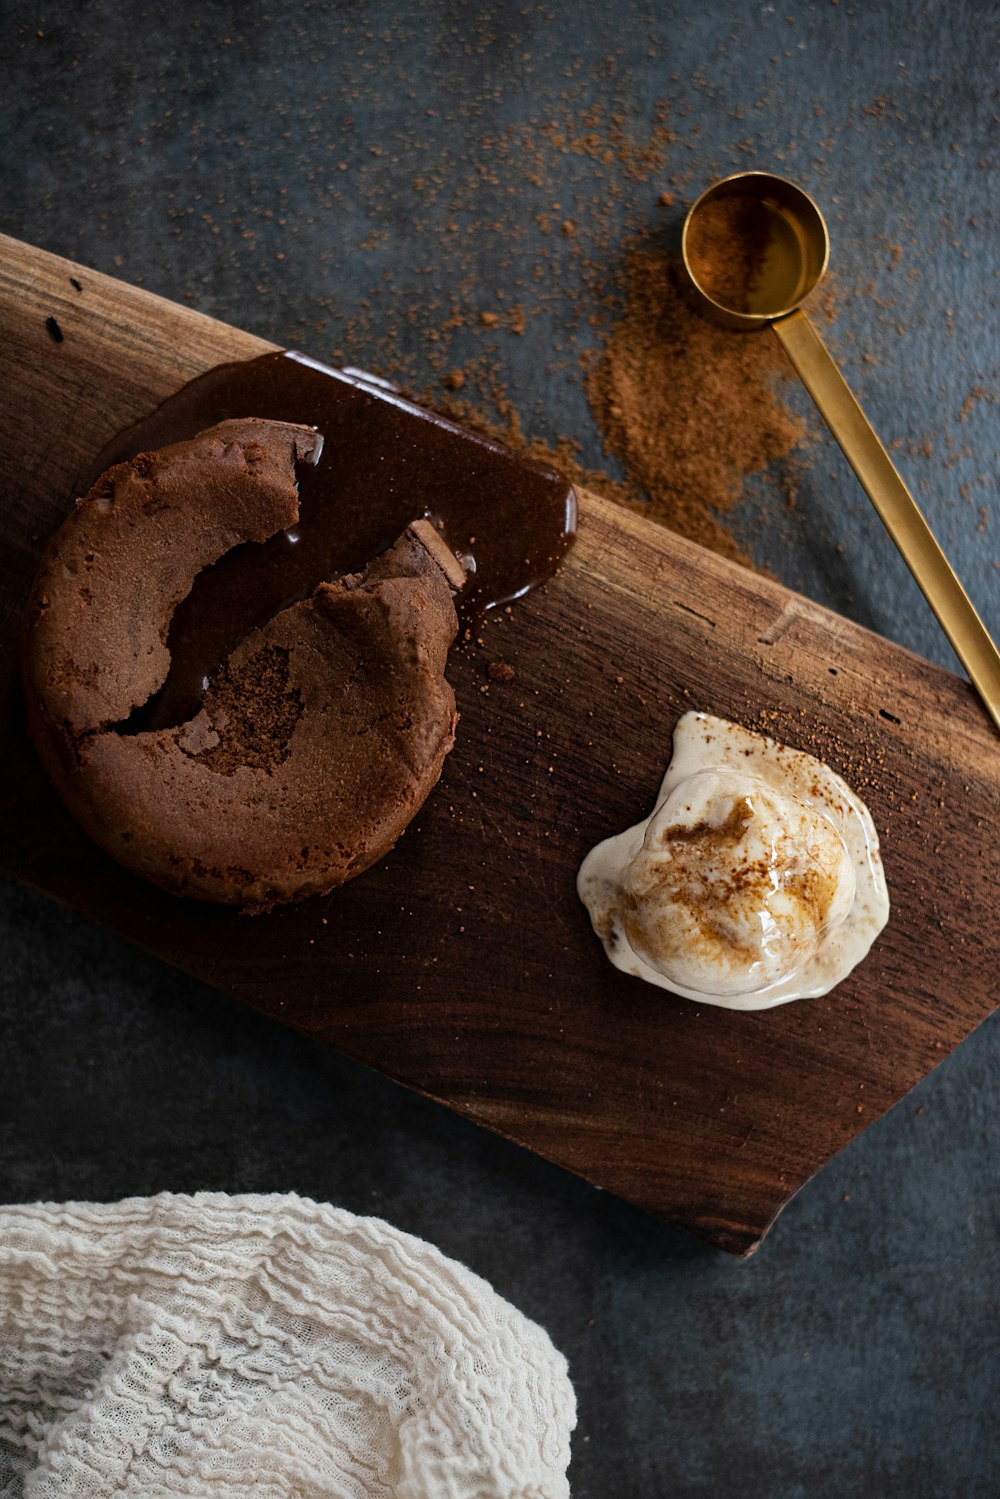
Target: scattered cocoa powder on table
<point>690,409</point>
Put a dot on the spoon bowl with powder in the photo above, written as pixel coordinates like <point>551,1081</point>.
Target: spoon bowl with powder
<point>754,246</point>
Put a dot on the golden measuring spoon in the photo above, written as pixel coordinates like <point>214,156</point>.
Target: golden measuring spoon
<point>754,246</point>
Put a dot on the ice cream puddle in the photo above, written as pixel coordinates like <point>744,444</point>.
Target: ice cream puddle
<point>755,880</point>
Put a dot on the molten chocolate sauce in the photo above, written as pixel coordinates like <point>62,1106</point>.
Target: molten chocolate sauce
<point>385,462</point>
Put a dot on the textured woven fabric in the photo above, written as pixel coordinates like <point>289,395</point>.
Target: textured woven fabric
<point>212,1346</point>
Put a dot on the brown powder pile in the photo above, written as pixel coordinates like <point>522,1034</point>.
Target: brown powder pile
<point>690,409</point>
<point>727,245</point>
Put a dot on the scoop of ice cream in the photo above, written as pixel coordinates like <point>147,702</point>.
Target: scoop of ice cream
<point>756,879</point>
<point>735,885</point>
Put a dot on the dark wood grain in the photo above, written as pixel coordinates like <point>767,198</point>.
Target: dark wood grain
<point>463,965</point>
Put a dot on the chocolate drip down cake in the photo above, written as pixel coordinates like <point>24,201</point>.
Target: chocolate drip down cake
<point>316,742</point>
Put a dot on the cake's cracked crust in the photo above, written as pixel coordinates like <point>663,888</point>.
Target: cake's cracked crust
<point>317,742</point>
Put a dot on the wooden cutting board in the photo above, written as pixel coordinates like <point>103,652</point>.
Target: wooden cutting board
<point>464,965</point>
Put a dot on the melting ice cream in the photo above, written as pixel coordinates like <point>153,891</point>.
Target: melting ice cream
<point>755,880</point>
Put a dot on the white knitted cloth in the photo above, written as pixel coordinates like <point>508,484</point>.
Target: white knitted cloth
<point>214,1346</point>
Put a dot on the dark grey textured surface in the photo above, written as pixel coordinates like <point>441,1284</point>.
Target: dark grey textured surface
<point>201,155</point>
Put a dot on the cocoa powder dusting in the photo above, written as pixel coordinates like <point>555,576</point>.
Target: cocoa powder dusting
<point>727,245</point>
<point>690,409</point>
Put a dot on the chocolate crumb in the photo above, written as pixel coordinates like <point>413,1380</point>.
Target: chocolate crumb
<point>258,732</point>
<point>500,671</point>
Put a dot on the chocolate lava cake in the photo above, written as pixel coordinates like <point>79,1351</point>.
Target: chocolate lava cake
<point>317,741</point>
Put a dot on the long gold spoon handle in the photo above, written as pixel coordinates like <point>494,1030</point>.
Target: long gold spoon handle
<point>902,519</point>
